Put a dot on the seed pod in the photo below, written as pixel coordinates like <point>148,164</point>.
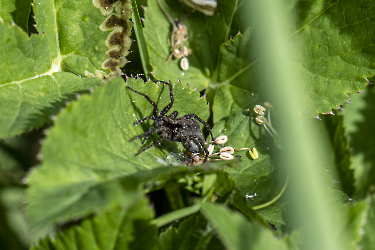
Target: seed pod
<point>184,64</point>
<point>228,150</point>
<point>221,139</point>
<point>210,149</point>
<point>226,156</point>
<point>254,154</point>
<point>259,109</point>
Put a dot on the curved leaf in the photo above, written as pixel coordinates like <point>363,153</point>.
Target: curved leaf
<point>118,228</point>
<point>88,148</point>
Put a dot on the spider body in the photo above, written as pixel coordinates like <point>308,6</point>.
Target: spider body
<point>185,129</point>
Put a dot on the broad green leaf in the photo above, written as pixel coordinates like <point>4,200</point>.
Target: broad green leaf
<point>118,228</point>
<point>16,11</point>
<point>238,233</point>
<point>225,188</point>
<point>206,34</point>
<point>89,146</point>
<point>191,233</point>
<point>336,50</point>
<point>257,177</point>
<point>73,38</point>
<point>334,54</point>
<point>236,89</point>
<point>80,36</point>
<point>358,117</point>
<point>336,133</point>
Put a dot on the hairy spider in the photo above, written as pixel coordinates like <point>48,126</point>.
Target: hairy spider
<point>185,129</point>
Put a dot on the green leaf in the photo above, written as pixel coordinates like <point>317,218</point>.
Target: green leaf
<point>225,188</point>
<point>13,226</point>
<point>336,133</point>
<point>89,146</point>
<point>119,228</point>
<point>206,34</point>
<point>235,89</point>
<point>252,177</point>
<point>11,171</point>
<point>238,233</point>
<point>357,116</point>
<point>138,29</point>
<point>336,52</point>
<point>331,59</point>
<point>191,233</point>
<point>368,241</point>
<point>17,12</point>
<point>75,37</point>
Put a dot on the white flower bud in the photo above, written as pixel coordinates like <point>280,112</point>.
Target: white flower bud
<point>210,149</point>
<point>259,109</point>
<point>184,64</point>
<point>226,156</point>
<point>221,139</point>
<point>228,150</point>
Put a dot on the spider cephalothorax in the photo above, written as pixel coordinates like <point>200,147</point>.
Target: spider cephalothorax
<point>185,129</point>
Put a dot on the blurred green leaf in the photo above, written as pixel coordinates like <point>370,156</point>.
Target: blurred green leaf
<point>119,228</point>
<point>17,12</point>
<point>358,117</point>
<point>238,233</point>
<point>13,227</point>
<point>368,240</point>
<point>336,133</point>
<point>192,233</point>
<point>11,171</point>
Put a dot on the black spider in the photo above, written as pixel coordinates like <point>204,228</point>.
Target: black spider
<point>184,129</point>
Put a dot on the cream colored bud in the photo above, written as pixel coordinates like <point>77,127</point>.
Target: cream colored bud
<point>228,150</point>
<point>210,149</point>
<point>184,64</point>
<point>226,156</point>
<point>259,109</point>
<point>259,120</point>
<point>221,139</point>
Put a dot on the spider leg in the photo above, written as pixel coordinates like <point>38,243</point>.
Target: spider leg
<point>146,134</point>
<point>144,119</point>
<point>165,12</point>
<point>149,100</point>
<point>151,145</point>
<point>173,115</point>
<point>191,115</point>
<point>169,106</point>
<point>203,145</point>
